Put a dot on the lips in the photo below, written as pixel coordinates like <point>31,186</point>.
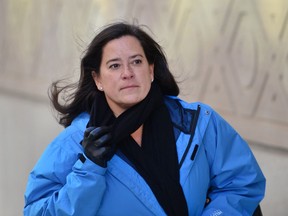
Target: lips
<point>129,87</point>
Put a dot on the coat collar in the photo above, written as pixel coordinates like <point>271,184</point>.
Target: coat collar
<point>180,116</point>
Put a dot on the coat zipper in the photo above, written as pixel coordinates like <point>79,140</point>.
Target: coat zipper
<point>193,127</point>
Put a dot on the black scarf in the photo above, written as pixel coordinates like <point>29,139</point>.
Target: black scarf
<point>156,160</point>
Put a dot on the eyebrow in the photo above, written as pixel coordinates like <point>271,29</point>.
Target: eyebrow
<point>137,55</point>
<point>119,59</point>
<point>112,60</point>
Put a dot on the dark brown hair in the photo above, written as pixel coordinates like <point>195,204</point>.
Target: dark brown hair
<point>81,98</point>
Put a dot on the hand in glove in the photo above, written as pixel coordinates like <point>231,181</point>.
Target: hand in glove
<point>96,145</point>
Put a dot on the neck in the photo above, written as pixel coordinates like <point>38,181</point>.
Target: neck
<point>137,135</point>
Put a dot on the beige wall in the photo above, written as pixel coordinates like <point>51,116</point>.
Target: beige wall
<point>231,54</point>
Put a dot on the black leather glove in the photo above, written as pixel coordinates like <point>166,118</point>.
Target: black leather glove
<point>96,145</point>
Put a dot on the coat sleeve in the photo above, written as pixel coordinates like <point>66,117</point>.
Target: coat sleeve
<point>61,184</point>
<point>237,184</point>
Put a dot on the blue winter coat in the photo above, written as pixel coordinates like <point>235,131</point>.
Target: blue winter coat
<point>217,164</point>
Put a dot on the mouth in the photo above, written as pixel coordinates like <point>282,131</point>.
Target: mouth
<point>129,87</point>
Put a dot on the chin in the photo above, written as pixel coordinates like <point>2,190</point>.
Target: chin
<point>130,103</point>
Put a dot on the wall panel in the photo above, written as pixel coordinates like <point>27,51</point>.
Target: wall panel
<point>231,54</point>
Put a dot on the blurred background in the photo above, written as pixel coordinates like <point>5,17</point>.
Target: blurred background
<point>230,54</point>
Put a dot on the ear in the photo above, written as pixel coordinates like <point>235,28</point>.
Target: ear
<point>151,69</point>
<point>97,80</point>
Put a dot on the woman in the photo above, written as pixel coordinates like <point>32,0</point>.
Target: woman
<point>132,147</point>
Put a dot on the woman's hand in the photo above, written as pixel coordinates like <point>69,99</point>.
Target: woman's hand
<point>97,146</point>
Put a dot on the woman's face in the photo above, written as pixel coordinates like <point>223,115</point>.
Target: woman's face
<point>125,75</point>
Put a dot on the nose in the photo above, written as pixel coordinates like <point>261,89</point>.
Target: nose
<point>128,72</point>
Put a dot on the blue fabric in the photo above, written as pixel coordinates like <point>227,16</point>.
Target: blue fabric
<point>223,169</point>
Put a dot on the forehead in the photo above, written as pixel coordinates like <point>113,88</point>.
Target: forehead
<point>124,44</point>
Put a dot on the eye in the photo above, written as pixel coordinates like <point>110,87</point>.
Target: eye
<point>137,61</point>
<point>114,66</point>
